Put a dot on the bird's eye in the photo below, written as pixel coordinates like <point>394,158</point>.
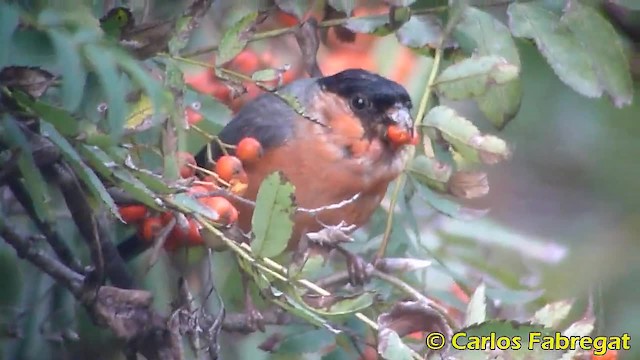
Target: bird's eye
<point>359,102</point>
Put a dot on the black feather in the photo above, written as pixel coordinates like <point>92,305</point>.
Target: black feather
<point>267,118</point>
<point>380,91</point>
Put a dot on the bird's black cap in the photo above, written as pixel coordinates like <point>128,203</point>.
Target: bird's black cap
<point>380,91</point>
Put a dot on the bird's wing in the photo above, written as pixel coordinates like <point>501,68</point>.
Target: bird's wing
<point>268,119</point>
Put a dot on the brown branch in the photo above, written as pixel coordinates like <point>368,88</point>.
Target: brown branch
<point>27,250</point>
<point>60,248</point>
<point>81,213</point>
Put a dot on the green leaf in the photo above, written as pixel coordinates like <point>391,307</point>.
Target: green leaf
<point>477,307</point>
<point>391,347</point>
<point>296,8</point>
<point>339,305</point>
<point>447,206</point>
<point>346,6</point>
<point>9,19</point>
<point>116,21</point>
<point>291,306</point>
<point>551,315</point>
<point>265,75</point>
<point>480,33</point>
<point>61,119</point>
<point>215,117</point>
<point>189,203</point>
<point>474,76</point>
<point>419,31</point>
<point>603,45</point>
<point>74,75</point>
<point>104,65</point>
<point>88,177</point>
<point>235,39</point>
<point>311,266</point>
<point>430,172</point>
<point>272,221</point>
<point>558,45</point>
<point>161,99</point>
<point>306,342</point>
<point>34,182</point>
<point>376,25</point>
<point>108,168</point>
<point>465,138</point>
<point>180,40</point>
<point>509,331</point>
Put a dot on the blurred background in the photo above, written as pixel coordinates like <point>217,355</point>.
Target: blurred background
<point>564,218</point>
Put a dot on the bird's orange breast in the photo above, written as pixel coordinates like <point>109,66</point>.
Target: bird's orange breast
<point>327,165</point>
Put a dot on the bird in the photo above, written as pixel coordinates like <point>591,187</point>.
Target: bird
<point>334,147</point>
<point>332,151</point>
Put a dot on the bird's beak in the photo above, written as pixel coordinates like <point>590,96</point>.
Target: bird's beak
<point>400,115</point>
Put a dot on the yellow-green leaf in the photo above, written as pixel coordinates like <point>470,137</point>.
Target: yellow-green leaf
<point>272,221</point>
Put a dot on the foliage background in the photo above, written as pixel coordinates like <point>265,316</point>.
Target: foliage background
<point>572,184</point>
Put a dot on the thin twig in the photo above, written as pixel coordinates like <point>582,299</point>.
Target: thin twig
<point>290,30</point>
<point>422,110</point>
<point>51,266</point>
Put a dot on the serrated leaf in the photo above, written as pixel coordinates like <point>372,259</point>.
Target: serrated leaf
<point>551,315</point>
<point>265,75</point>
<point>474,76</point>
<point>346,6</point>
<point>140,117</point>
<point>84,173</point>
<point>59,118</point>
<point>189,203</point>
<point>448,207</point>
<point>557,44</point>
<point>465,138</point>
<point>33,180</point>
<point>603,45</point>
<point>419,31</point>
<point>480,33</point>
<point>108,168</point>
<point>339,305</point>
<point>104,65</point>
<point>391,347</point>
<point>153,181</point>
<point>235,39</point>
<point>477,308</point>
<point>9,19</point>
<point>376,25</point>
<point>74,75</point>
<point>296,8</point>
<point>430,172</point>
<point>303,311</point>
<point>161,99</point>
<point>272,221</point>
